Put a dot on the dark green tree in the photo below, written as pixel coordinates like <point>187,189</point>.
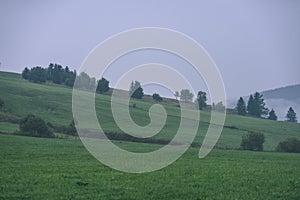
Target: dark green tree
<point>1,103</point>
<point>272,115</point>
<point>256,105</point>
<point>38,75</point>
<point>241,106</point>
<point>58,74</point>
<point>136,91</point>
<point>291,115</point>
<point>157,97</point>
<point>50,71</point>
<point>103,85</point>
<point>253,141</point>
<point>259,105</point>
<point>34,126</point>
<point>201,100</point>
<point>26,73</point>
<point>250,105</point>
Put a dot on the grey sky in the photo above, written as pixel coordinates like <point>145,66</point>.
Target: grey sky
<point>254,43</point>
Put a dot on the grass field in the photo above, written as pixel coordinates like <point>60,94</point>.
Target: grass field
<point>39,168</point>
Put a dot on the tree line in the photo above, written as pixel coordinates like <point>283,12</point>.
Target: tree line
<point>63,75</point>
<point>256,107</point>
<point>57,74</point>
<point>53,73</point>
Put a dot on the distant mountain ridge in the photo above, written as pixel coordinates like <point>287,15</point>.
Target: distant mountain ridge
<point>290,93</point>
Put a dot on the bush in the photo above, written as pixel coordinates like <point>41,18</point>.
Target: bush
<point>157,97</point>
<point>289,145</point>
<point>71,129</point>
<point>34,126</point>
<point>253,141</point>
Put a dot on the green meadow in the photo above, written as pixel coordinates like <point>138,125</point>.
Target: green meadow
<point>43,168</point>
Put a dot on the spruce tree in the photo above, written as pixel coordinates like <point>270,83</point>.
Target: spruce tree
<point>256,105</point>
<point>291,115</point>
<point>241,107</point>
<point>259,105</point>
<point>250,105</point>
<point>272,115</point>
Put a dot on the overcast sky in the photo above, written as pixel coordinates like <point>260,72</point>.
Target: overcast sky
<point>255,43</point>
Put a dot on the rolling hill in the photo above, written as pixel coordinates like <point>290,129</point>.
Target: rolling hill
<point>55,168</point>
<point>53,104</point>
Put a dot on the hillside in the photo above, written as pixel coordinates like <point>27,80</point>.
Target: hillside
<point>291,93</point>
<point>53,104</point>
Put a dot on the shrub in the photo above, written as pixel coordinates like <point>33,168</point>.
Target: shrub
<point>253,141</point>
<point>71,129</point>
<point>157,97</point>
<point>34,126</point>
<point>289,145</point>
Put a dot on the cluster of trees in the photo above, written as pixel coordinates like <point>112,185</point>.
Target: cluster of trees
<point>256,107</point>
<point>57,74</point>
<point>54,73</point>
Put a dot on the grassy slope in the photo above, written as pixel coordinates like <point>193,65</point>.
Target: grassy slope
<point>39,168</point>
<point>53,103</point>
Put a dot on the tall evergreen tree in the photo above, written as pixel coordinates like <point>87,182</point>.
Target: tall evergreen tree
<point>201,99</point>
<point>272,115</point>
<point>241,107</point>
<point>259,105</point>
<point>291,115</point>
<point>250,105</point>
